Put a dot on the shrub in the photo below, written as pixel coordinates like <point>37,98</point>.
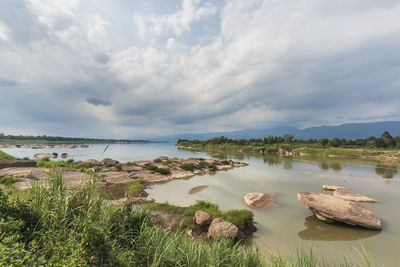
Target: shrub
<point>118,167</point>
<point>163,171</point>
<point>188,166</point>
<point>226,162</point>
<point>55,154</point>
<point>135,187</point>
<point>157,161</point>
<point>243,219</point>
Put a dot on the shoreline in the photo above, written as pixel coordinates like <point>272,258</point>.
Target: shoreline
<point>285,153</point>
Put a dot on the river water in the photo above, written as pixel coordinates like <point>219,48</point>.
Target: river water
<point>291,225</point>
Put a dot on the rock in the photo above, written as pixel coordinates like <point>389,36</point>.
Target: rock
<point>259,200</point>
<point>330,208</point>
<point>343,193</point>
<point>17,163</point>
<point>142,199</point>
<point>221,228</point>
<point>331,187</point>
<point>202,217</point>
<point>197,189</point>
<point>108,161</point>
<point>43,155</point>
<point>348,195</point>
<point>190,232</point>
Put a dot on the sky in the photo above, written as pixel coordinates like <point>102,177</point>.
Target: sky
<point>119,69</point>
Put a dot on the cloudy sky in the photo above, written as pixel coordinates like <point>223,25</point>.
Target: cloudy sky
<point>113,68</point>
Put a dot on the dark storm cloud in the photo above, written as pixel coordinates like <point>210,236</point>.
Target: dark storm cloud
<point>98,101</point>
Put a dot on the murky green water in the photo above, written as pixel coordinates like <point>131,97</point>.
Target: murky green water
<point>290,225</point>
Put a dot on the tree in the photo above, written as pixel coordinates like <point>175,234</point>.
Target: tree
<point>335,142</point>
<point>388,139</point>
<point>288,138</point>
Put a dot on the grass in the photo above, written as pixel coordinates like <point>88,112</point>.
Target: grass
<point>9,180</point>
<point>5,156</point>
<point>52,226</point>
<point>135,187</point>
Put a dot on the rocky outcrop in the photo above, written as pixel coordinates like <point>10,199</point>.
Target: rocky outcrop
<point>259,200</point>
<point>221,228</point>
<point>17,163</point>
<point>343,193</point>
<point>109,161</point>
<point>202,217</point>
<point>330,209</point>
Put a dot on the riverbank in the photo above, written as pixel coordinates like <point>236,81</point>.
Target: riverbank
<point>286,149</point>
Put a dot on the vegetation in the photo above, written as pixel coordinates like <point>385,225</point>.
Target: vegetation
<point>135,187</point>
<point>5,156</point>
<point>372,146</point>
<point>52,226</point>
<point>9,180</point>
<point>44,139</point>
<point>152,168</point>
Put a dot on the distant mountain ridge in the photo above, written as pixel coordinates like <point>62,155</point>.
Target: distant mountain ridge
<point>348,131</point>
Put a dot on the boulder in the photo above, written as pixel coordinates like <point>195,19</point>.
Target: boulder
<point>259,200</point>
<point>202,217</point>
<point>343,193</point>
<point>109,161</point>
<point>43,155</point>
<point>221,228</point>
<point>17,163</point>
<point>330,209</point>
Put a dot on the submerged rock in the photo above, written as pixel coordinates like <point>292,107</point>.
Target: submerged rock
<point>197,189</point>
<point>330,208</point>
<point>331,187</point>
<point>221,228</point>
<point>259,200</point>
<point>202,217</point>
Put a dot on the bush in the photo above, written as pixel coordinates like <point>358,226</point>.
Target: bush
<point>243,219</point>
<point>118,167</point>
<point>157,160</point>
<point>150,167</point>
<point>135,187</point>
<point>188,166</point>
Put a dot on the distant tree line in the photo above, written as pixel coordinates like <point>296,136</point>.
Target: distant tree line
<point>4,137</point>
<point>385,141</point>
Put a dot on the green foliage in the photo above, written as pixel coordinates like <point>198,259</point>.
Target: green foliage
<point>9,180</point>
<point>164,206</point>
<point>188,166</point>
<point>47,163</point>
<point>243,219</point>
<point>150,167</point>
<point>157,160</point>
<point>135,187</point>
<point>118,167</point>
<point>5,156</point>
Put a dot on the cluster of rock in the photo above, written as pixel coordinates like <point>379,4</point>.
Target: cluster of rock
<point>28,146</point>
<point>217,227</point>
<point>342,206</point>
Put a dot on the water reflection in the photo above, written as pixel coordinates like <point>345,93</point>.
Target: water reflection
<point>321,231</point>
<point>387,172</point>
<point>326,165</point>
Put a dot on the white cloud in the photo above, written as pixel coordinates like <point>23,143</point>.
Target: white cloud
<point>178,22</point>
<point>3,32</point>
